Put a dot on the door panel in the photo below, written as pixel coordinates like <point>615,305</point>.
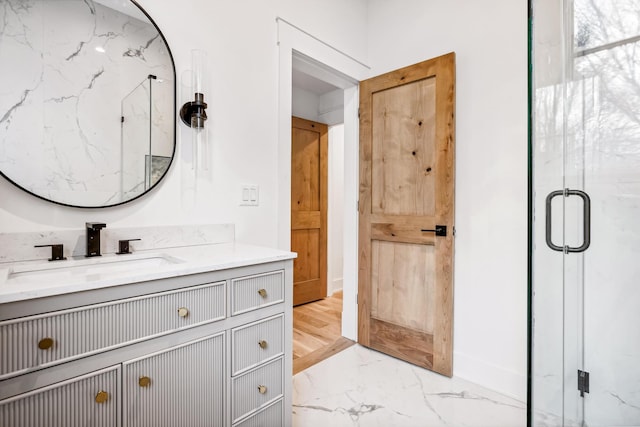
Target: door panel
<point>309,145</point>
<point>405,296</point>
<point>401,149</point>
<point>401,286</point>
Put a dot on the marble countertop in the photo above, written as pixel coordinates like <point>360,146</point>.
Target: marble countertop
<point>36,279</point>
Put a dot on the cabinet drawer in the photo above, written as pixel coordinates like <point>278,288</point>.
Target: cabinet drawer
<point>89,400</point>
<point>255,389</point>
<point>257,342</point>
<point>270,416</point>
<point>253,292</point>
<point>38,341</point>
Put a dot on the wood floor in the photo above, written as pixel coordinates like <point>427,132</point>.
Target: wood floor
<point>317,332</point>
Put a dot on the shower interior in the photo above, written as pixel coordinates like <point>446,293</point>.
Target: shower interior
<point>145,150</point>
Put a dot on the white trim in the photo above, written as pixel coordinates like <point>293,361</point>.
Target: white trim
<point>497,378</point>
<point>321,59</point>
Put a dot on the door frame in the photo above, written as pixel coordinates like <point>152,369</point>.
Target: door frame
<point>321,60</point>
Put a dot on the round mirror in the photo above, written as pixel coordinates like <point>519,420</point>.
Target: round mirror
<point>87,100</point>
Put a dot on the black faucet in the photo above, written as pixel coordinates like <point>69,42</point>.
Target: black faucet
<point>57,251</point>
<point>93,238</point>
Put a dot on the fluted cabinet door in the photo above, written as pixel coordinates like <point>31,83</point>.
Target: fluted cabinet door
<point>86,401</point>
<point>181,386</point>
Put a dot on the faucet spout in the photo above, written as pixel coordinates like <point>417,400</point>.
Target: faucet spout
<point>93,238</point>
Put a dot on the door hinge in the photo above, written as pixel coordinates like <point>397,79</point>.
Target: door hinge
<point>358,112</point>
<point>583,382</point>
<point>121,119</point>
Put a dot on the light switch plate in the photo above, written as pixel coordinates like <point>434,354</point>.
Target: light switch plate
<point>250,195</point>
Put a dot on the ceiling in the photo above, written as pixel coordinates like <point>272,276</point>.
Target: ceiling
<point>301,80</point>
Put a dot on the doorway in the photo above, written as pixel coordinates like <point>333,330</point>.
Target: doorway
<point>585,187</point>
<point>322,61</point>
<point>317,212</point>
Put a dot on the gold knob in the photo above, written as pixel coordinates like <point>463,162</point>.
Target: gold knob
<point>263,293</point>
<point>102,397</point>
<point>183,312</point>
<point>262,344</point>
<point>144,381</point>
<point>262,389</point>
<point>45,343</point>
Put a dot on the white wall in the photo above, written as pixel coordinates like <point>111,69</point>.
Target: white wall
<point>327,108</point>
<point>240,38</point>
<point>304,104</point>
<point>490,42</point>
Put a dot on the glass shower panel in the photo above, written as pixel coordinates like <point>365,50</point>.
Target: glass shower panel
<point>607,64</point>
<point>586,138</point>
<point>554,302</point>
<point>136,140</point>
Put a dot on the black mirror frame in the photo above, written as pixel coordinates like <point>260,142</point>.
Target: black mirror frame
<point>175,141</point>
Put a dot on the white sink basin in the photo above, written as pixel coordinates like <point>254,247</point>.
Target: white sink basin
<point>88,267</point>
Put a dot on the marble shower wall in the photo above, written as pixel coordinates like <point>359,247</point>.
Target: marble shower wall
<point>73,63</point>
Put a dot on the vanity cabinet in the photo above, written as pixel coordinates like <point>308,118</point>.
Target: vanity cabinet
<point>208,349</point>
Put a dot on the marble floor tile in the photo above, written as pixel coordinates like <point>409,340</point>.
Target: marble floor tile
<point>361,387</point>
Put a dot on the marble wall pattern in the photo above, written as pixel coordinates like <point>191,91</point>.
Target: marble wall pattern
<point>16,247</point>
<point>71,63</point>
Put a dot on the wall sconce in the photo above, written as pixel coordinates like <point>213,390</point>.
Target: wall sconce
<point>193,113</point>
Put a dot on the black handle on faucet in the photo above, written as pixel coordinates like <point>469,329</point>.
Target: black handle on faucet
<point>57,251</point>
<point>123,246</point>
<point>95,225</point>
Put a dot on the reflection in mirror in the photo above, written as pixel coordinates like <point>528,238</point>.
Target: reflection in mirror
<point>87,104</point>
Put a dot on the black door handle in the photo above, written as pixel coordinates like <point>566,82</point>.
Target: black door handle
<point>586,223</point>
<point>440,230</point>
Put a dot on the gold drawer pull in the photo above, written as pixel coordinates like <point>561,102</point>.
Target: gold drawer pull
<point>262,344</point>
<point>102,397</point>
<point>183,312</point>
<point>263,293</point>
<point>262,389</point>
<point>45,343</point>
<point>144,381</point>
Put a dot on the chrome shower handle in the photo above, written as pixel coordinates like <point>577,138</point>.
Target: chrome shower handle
<point>586,222</point>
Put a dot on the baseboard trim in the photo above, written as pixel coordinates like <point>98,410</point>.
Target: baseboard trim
<point>334,286</point>
<point>496,378</point>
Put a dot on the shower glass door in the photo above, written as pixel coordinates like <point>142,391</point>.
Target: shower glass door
<point>136,140</point>
<point>586,213</point>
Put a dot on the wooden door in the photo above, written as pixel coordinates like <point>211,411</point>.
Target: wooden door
<point>309,145</point>
<point>405,289</point>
